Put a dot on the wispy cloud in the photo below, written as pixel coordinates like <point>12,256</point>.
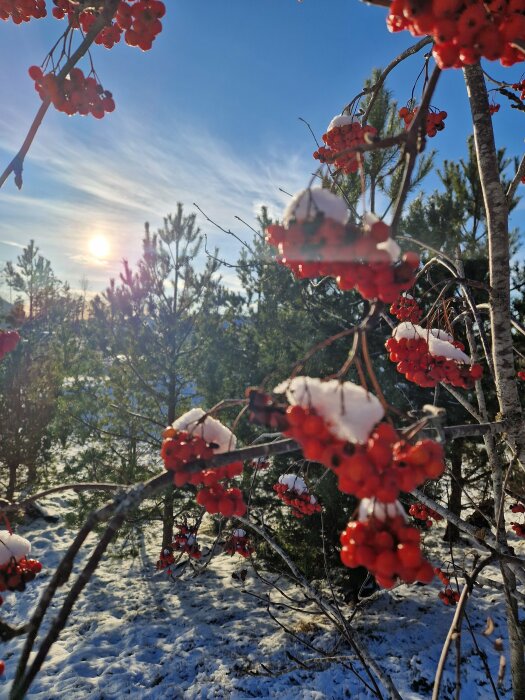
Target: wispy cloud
<point>13,244</point>
<point>77,189</point>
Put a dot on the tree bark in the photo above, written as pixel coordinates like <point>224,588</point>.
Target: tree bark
<point>496,212</point>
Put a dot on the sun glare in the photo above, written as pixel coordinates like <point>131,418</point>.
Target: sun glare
<point>99,247</point>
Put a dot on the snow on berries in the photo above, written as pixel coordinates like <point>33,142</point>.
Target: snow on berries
<point>196,437</point>
<point>344,133</point>
<point>429,356</point>
<point>316,239</point>
<point>293,491</point>
<point>382,541</point>
<point>22,10</point>
<point>15,568</point>
<point>338,425</point>
<point>435,120</point>
<point>76,94</point>
<point>463,32</point>
<point>8,342</point>
<point>239,543</point>
<point>422,512</point>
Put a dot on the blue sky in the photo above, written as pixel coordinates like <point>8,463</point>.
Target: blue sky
<point>209,115</point>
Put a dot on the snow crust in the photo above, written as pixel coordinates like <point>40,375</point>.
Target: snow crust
<point>391,248</point>
<point>239,532</point>
<point>306,205</point>
<point>341,120</point>
<point>13,546</point>
<point>350,411</point>
<point>381,511</point>
<point>210,429</point>
<point>294,483</point>
<point>439,344</point>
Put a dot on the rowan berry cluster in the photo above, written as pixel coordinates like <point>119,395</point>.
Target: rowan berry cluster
<point>520,87</point>
<point>464,30</point>
<point>15,574</point>
<point>434,121</point>
<point>517,508</point>
<point>428,357</point>
<point>185,541</point>
<point>519,529</point>
<point>76,94</point>
<point>448,596</point>
<point>293,491</point>
<point>388,548</point>
<point>8,342</point>
<point>316,240</point>
<point>380,468</point>
<point>239,543</point>
<point>521,373</point>
<point>179,448</point>
<point>344,133</point>
<point>445,580</point>
<point>423,512</point>
<point>494,107</point>
<point>22,10</point>
<point>138,19</point>
<point>406,308</point>
<point>227,502</point>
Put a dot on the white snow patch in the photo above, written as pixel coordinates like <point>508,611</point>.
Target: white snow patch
<point>13,546</point>
<point>210,429</point>
<point>391,248</point>
<point>341,120</point>
<point>370,506</point>
<point>439,344</point>
<point>239,532</point>
<point>350,411</point>
<point>294,483</point>
<point>306,205</point>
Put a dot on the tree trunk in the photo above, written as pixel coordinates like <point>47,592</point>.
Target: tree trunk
<point>496,211</point>
<point>456,488</point>
<point>169,496</point>
<point>11,486</point>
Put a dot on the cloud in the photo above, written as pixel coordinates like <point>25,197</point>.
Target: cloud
<point>77,186</point>
<point>12,243</point>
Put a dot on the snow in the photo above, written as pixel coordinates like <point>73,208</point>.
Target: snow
<point>239,532</point>
<point>137,634</point>
<point>341,120</point>
<point>439,344</point>
<point>210,429</point>
<point>350,411</point>
<point>306,205</point>
<point>12,546</point>
<point>294,483</point>
<point>391,248</point>
<point>370,506</point>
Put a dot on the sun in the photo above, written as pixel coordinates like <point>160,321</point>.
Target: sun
<point>99,247</point>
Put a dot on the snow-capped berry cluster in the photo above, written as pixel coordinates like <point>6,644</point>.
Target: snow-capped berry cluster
<point>165,560</point>
<point>338,425</point>
<point>382,542</point>
<point>8,342</point>
<point>74,95</point>
<point>138,19</point>
<point>429,356</point>
<point>15,568</point>
<point>406,308</point>
<point>317,240</point>
<point>435,120</point>
<point>185,541</point>
<point>448,596</point>
<point>195,436</point>
<point>227,502</point>
<point>239,543</point>
<point>22,10</point>
<point>293,491</point>
<point>343,133</point>
<point>464,30</point>
<point>422,512</point>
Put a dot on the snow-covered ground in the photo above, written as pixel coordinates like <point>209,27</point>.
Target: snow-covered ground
<point>135,633</point>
